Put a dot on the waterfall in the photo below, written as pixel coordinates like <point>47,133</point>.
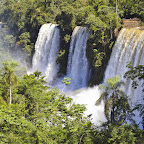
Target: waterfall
<point>78,71</point>
<point>46,51</point>
<point>129,47</point>
<point>77,68</point>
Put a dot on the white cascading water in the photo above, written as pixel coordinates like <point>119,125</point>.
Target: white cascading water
<point>78,71</point>
<point>88,97</point>
<point>129,47</point>
<point>77,68</point>
<point>46,51</point>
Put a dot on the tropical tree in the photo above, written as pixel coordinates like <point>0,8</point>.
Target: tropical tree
<point>116,104</point>
<point>66,81</point>
<point>55,117</point>
<point>8,76</point>
<point>136,74</point>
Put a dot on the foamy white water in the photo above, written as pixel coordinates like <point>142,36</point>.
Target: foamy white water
<point>129,47</point>
<point>78,68</point>
<point>89,96</point>
<point>46,51</point>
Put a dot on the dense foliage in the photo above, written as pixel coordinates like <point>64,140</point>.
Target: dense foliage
<point>38,114</point>
<point>117,108</point>
<point>137,75</point>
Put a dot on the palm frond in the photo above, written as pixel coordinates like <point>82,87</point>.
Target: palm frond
<point>103,96</point>
<point>118,84</point>
<point>107,108</point>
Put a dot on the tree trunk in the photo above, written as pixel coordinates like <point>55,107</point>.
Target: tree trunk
<point>10,93</point>
<point>112,111</point>
<point>112,115</point>
<point>45,3</point>
<point>116,6</point>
